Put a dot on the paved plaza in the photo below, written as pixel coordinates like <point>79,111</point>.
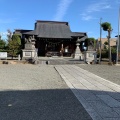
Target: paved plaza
<point>100,97</point>
<point>59,92</point>
<point>111,73</point>
<point>37,92</point>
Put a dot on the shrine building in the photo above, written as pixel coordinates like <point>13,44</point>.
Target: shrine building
<point>53,38</point>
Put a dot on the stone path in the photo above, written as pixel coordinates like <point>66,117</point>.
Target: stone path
<point>100,97</point>
<point>59,60</point>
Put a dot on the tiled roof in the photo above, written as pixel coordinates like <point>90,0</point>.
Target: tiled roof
<point>54,29</point>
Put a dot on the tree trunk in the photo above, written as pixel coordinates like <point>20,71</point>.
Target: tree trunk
<point>109,47</point>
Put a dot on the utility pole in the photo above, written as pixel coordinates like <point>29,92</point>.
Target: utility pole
<point>118,36</point>
<point>109,47</point>
<point>100,39</point>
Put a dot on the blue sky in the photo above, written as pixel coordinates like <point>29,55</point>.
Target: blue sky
<point>82,15</point>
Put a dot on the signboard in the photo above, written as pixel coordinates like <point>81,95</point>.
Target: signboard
<point>3,54</point>
<point>27,53</point>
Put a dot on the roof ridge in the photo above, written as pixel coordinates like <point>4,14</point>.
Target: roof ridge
<point>47,21</point>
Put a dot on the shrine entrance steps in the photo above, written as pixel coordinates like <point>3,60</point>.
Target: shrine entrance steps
<point>58,60</point>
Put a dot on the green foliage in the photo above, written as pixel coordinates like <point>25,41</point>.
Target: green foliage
<point>17,39</point>
<point>91,38</point>
<point>106,26</point>
<point>2,44</point>
<point>88,40</point>
<point>106,43</point>
<point>14,45</point>
<point>113,50</point>
<point>104,53</point>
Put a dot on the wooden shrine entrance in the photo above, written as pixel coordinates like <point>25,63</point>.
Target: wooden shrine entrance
<point>56,47</point>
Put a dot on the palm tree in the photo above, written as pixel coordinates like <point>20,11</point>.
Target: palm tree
<point>107,27</point>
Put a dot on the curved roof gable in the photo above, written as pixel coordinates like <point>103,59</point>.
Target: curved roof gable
<point>54,29</point>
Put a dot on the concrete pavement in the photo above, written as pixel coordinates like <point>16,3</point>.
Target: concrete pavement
<point>100,97</point>
<point>37,92</point>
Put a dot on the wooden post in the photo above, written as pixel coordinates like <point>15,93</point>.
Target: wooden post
<point>62,49</point>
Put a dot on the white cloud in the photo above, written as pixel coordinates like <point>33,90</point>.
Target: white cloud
<point>62,9</point>
<point>94,7</point>
<point>99,6</point>
<point>87,17</point>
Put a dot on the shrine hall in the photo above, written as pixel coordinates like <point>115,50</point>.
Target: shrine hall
<point>53,38</point>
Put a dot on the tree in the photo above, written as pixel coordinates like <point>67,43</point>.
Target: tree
<point>90,41</point>
<point>106,45</point>
<point>107,27</point>
<point>113,50</point>
<point>14,45</point>
<point>2,44</point>
<point>9,34</point>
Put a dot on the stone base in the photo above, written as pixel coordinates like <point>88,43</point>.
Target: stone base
<point>90,56</point>
<point>78,57</point>
<point>28,54</point>
<point>117,64</point>
<point>78,54</point>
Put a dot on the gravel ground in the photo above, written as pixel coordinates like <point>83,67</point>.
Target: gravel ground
<point>111,73</point>
<point>30,92</point>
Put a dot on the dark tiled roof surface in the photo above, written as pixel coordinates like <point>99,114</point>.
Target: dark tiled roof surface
<point>31,32</point>
<point>50,30</point>
<point>82,34</point>
<point>22,31</point>
<point>54,29</point>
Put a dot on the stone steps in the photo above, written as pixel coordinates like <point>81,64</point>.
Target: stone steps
<point>59,62</point>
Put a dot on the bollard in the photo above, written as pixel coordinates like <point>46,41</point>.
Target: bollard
<point>18,57</point>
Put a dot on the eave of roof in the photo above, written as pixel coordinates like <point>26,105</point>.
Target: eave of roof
<point>78,34</point>
<point>31,33</point>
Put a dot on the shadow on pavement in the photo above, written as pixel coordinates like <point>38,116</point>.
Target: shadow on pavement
<point>56,104</point>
